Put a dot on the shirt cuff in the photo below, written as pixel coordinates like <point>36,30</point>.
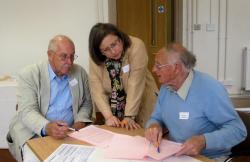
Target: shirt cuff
<point>152,121</point>
<point>43,132</point>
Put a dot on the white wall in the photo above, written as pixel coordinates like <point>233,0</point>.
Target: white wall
<point>27,26</point>
<point>224,32</point>
<point>25,29</point>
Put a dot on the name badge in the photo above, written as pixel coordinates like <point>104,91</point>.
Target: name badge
<point>125,68</point>
<point>73,82</point>
<point>184,115</point>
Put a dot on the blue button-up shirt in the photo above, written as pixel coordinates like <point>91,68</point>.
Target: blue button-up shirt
<point>60,104</point>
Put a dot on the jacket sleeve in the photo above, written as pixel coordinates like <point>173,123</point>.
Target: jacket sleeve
<point>28,100</point>
<point>85,106</point>
<point>138,61</point>
<point>99,97</point>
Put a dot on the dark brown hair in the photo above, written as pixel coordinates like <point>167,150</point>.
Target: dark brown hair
<point>98,33</point>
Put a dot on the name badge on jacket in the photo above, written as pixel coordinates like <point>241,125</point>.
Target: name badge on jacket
<point>184,115</point>
<point>73,82</point>
<point>125,68</point>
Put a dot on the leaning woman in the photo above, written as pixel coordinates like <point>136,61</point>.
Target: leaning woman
<point>122,88</point>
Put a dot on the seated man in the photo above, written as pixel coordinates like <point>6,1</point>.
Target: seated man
<point>193,106</point>
<point>53,96</point>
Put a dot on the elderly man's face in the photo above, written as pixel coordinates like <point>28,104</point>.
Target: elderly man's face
<point>163,68</point>
<point>62,59</point>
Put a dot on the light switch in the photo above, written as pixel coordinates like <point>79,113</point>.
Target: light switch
<point>196,26</point>
<point>210,27</point>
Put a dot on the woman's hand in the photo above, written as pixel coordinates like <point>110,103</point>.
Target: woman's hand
<point>129,123</point>
<point>113,121</point>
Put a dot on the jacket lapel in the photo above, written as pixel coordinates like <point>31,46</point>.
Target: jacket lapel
<point>73,84</point>
<point>45,87</point>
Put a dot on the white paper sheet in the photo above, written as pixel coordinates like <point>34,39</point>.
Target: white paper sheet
<point>71,153</point>
<point>98,156</point>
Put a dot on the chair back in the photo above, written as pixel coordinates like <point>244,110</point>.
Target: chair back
<point>243,148</point>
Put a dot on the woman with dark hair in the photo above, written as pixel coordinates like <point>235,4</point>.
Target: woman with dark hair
<point>121,86</point>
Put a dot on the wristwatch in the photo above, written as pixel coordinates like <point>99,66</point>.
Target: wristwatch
<point>131,117</point>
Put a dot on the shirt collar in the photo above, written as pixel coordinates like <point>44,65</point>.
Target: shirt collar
<point>52,74</point>
<point>183,90</point>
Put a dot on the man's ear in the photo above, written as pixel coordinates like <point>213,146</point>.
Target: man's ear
<point>178,67</point>
<point>49,53</point>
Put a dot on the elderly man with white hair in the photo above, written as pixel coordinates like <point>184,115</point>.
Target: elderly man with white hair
<point>53,96</point>
<point>193,106</point>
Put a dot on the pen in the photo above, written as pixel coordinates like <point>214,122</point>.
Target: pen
<point>71,129</point>
<point>158,149</point>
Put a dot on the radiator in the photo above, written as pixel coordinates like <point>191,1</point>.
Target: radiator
<point>245,109</point>
<point>246,69</point>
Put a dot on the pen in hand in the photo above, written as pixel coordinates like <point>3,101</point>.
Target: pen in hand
<point>158,149</point>
<point>69,128</point>
<point>72,129</point>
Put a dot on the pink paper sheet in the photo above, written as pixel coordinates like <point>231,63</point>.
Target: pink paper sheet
<point>128,147</point>
<point>93,135</point>
<point>167,149</point>
<point>123,146</point>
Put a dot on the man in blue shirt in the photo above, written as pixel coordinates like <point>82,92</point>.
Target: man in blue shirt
<point>53,97</point>
<point>193,106</point>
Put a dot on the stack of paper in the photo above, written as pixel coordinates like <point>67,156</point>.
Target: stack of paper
<point>93,135</point>
<point>71,153</point>
<point>128,147</point>
<point>124,146</point>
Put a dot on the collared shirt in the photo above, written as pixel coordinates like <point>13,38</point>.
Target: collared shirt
<point>207,110</point>
<point>60,104</point>
<point>183,90</point>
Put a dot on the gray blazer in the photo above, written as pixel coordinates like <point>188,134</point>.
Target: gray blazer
<point>33,98</point>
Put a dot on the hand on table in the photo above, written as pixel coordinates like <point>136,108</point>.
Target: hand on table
<point>192,146</point>
<point>113,121</point>
<point>129,123</point>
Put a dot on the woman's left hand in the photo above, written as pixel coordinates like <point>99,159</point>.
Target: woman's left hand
<point>129,123</point>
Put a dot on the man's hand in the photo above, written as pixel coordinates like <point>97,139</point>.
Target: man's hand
<point>57,129</point>
<point>79,125</point>
<point>129,123</point>
<point>192,146</point>
<point>113,121</point>
<point>154,134</point>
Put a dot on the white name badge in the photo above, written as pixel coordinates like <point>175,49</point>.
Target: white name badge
<point>73,82</point>
<point>184,115</point>
<point>125,68</point>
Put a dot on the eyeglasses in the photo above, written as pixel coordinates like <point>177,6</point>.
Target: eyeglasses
<point>112,46</point>
<point>159,66</point>
<point>64,57</point>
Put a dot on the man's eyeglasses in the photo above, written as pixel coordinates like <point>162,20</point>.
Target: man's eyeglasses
<point>159,66</point>
<point>111,46</point>
<point>64,57</point>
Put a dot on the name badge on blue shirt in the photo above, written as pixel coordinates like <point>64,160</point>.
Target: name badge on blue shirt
<point>184,115</point>
<point>73,82</point>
